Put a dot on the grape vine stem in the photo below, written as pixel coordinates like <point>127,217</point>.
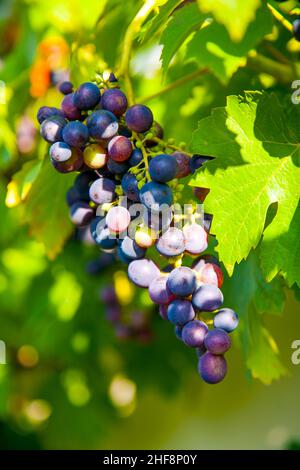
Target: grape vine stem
<point>130,35</point>
<point>279,17</point>
<point>175,84</point>
<point>170,146</point>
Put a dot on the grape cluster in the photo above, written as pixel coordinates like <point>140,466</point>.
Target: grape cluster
<point>127,193</point>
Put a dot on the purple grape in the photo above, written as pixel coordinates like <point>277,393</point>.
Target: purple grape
<point>207,222</point>
<point>212,368</point>
<point>201,193</point>
<point>115,101</point>
<point>131,250</point>
<point>163,168</point>
<point>194,333</point>
<point>180,312</point>
<point>117,168</point>
<point>182,281</point>
<point>136,157</point>
<point>112,78</point>
<point>96,227</point>
<point>60,151</point>
<point>130,187</point>
<point>102,124</point>
<point>195,239</point>
<point>139,118</point>
<point>178,331</point>
<point>52,127</point>
<point>217,341</point>
<point>171,243</point>
<point>123,130</point>
<point>119,148</point>
<point>153,195</point>
<point>199,262</point>
<point>69,108</point>
<point>102,191</point>
<point>200,351</point>
<point>118,219</point>
<point>73,196</point>
<point>197,161</point>
<point>226,319</point>
<point>159,291</point>
<point>87,96</point>
<point>66,88</point>
<point>81,213</point>
<point>113,313</point>
<point>46,112</point>
<point>158,221</point>
<point>75,134</point>
<point>163,311</point>
<point>142,272</point>
<point>183,164</point>
<point>207,297</point>
<point>72,164</point>
<point>83,182</point>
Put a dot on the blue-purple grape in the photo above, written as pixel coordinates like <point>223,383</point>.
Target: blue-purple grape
<point>130,187</point>
<point>159,291</point>
<point>115,101</point>
<point>75,134</point>
<point>81,213</point>
<point>117,168</point>
<point>46,112</point>
<point>119,148</point>
<point>207,298</point>
<point>87,96</point>
<point>171,243</point>
<point>139,118</point>
<point>178,331</point>
<point>142,272</point>
<point>102,124</point>
<point>212,368</point>
<point>102,191</point>
<point>163,311</point>
<point>74,163</point>
<point>194,333</point>
<point>217,341</point>
<point>197,161</point>
<point>154,195</point>
<point>182,281</point>
<point>60,151</point>
<point>52,129</point>
<point>180,312</point>
<point>226,319</point>
<point>136,157</point>
<point>69,108</point>
<point>66,88</point>
<point>183,164</point>
<point>131,250</point>
<point>163,168</point>
<point>195,239</point>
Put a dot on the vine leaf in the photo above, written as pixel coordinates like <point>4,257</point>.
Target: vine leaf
<point>45,209</point>
<point>232,14</point>
<point>212,47</point>
<point>184,22</point>
<point>257,144</point>
<point>158,21</point>
<point>256,297</point>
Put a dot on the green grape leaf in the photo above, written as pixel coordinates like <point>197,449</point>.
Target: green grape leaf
<point>256,141</point>
<point>232,14</point>
<point>46,211</point>
<point>256,297</point>
<point>212,47</point>
<point>184,21</point>
<point>21,182</point>
<point>158,21</point>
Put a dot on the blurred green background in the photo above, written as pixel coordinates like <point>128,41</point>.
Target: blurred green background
<point>68,381</point>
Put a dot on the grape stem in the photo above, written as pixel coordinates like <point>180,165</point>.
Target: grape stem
<point>175,84</point>
<point>279,17</point>
<point>144,153</point>
<point>170,146</point>
<point>130,34</point>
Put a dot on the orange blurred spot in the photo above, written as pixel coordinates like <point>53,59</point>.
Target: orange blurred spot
<point>28,356</point>
<point>40,78</point>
